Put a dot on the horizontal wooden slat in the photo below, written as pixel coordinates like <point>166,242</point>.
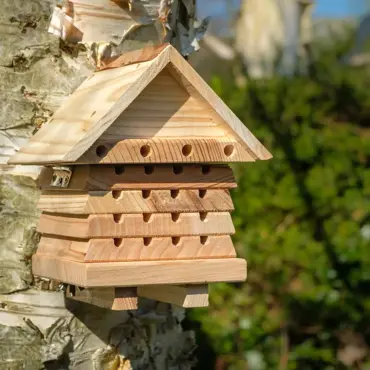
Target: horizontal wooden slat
<point>135,225</point>
<point>135,201</point>
<point>139,177</point>
<point>137,249</point>
<point>183,296</point>
<point>117,299</point>
<point>103,274</point>
<point>168,150</point>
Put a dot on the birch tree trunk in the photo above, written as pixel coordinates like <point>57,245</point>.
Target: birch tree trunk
<point>38,329</point>
<point>273,35</point>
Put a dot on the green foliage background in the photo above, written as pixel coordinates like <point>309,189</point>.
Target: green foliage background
<point>303,224</point>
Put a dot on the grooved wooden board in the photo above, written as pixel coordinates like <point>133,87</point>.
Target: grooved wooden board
<point>183,296</point>
<point>138,177</point>
<point>134,225</point>
<point>164,109</point>
<point>117,299</point>
<point>137,249</point>
<point>119,274</point>
<point>166,150</point>
<point>134,201</point>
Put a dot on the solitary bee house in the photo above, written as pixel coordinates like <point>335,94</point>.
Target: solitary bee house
<point>138,203</point>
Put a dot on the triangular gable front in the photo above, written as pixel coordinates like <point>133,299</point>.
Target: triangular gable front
<point>164,109</point>
<point>160,99</point>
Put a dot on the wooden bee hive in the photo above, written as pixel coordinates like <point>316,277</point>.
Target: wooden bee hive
<point>138,202</point>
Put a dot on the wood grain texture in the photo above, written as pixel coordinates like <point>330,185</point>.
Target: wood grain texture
<point>166,150</point>
<point>134,225</point>
<point>117,299</point>
<point>133,201</point>
<point>139,177</point>
<point>120,274</point>
<point>101,99</point>
<point>164,109</point>
<point>137,249</point>
<point>132,57</point>
<point>198,88</point>
<point>184,296</point>
<point>80,113</point>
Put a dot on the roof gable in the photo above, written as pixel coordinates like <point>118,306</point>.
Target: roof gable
<point>95,110</point>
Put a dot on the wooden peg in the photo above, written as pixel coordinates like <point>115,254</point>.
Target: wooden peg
<point>180,295</point>
<point>112,297</point>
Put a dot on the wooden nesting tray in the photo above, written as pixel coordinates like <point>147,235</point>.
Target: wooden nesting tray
<point>137,249</point>
<point>132,274</point>
<point>166,150</point>
<point>147,177</point>
<point>136,201</point>
<point>136,225</point>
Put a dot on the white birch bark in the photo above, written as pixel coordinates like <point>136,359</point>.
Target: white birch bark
<point>37,328</point>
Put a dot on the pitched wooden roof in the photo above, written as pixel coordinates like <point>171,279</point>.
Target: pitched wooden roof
<point>88,114</point>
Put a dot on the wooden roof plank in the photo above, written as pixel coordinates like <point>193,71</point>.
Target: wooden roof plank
<point>101,99</point>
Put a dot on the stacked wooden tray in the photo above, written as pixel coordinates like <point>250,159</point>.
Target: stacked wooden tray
<point>138,202</point>
<point>139,225</point>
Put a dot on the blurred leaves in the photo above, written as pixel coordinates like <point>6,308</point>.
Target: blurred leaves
<point>303,224</point>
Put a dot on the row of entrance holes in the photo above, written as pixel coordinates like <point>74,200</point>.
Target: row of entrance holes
<point>116,194</point>
<point>147,217</point>
<point>146,150</point>
<point>149,169</point>
<point>148,240</point>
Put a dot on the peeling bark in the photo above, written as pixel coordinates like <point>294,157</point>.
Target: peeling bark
<point>38,329</point>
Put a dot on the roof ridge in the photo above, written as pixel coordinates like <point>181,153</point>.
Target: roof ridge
<point>145,54</point>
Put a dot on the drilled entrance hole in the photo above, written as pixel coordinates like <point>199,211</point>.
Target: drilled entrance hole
<point>116,194</point>
<point>229,150</point>
<point>145,150</point>
<point>148,170</point>
<point>117,217</point>
<point>174,194</point>
<point>202,193</point>
<point>206,170</point>
<point>147,241</point>
<point>203,239</point>
<point>101,151</point>
<point>147,217</point>
<point>175,216</point>
<point>187,150</point>
<point>145,194</point>
<point>177,170</point>
<point>203,215</point>
<point>119,170</point>
<point>118,241</point>
<point>175,240</point>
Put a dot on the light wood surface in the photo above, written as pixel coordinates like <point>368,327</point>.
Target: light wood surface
<point>100,100</point>
<point>138,177</point>
<point>136,225</point>
<point>139,273</point>
<point>118,299</point>
<point>184,296</point>
<point>133,201</point>
<point>137,249</point>
<point>165,150</point>
<point>133,57</point>
<point>183,72</point>
<point>164,109</point>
